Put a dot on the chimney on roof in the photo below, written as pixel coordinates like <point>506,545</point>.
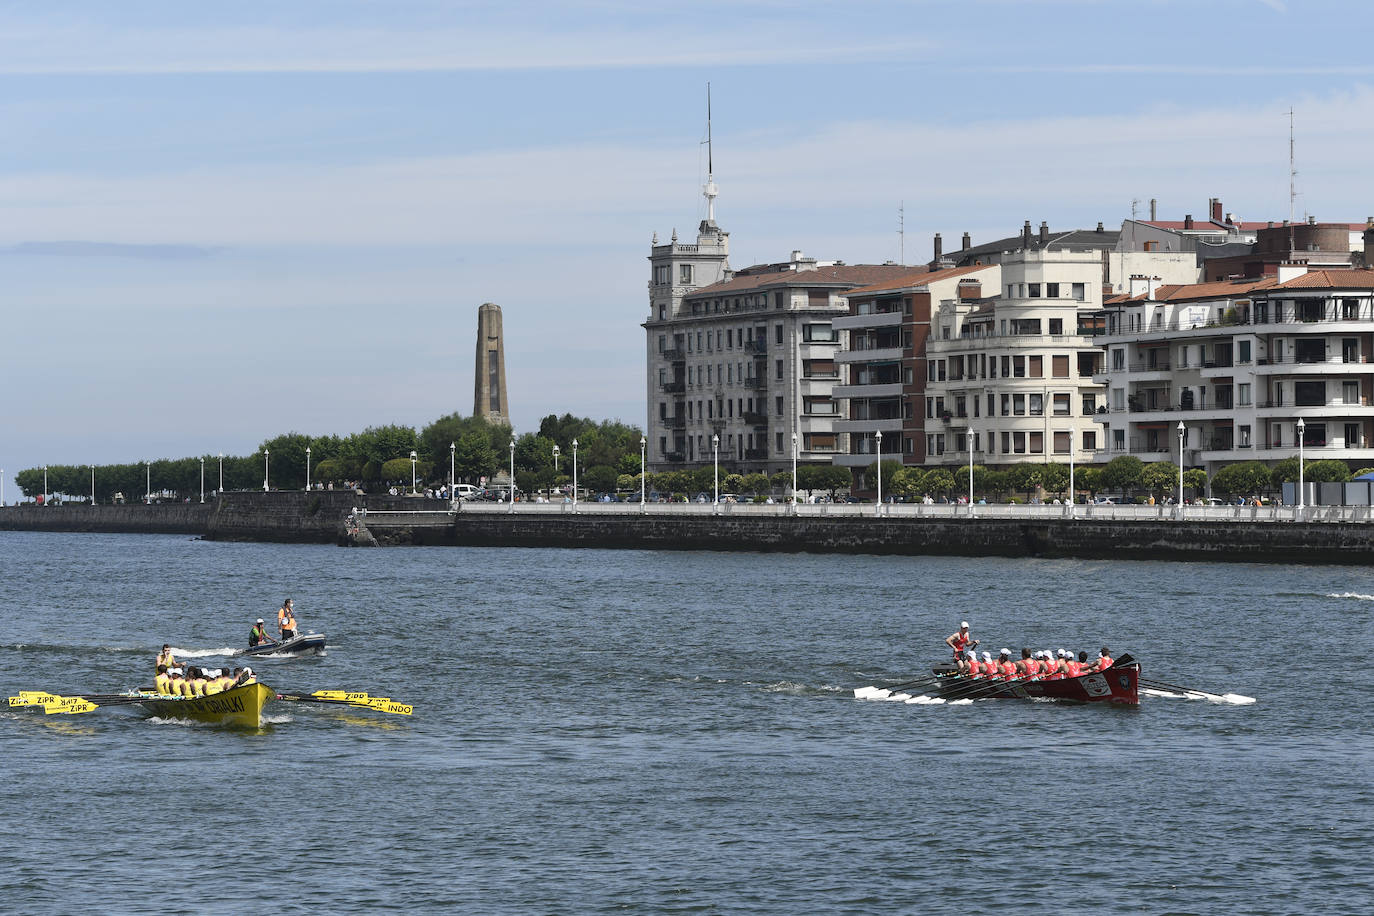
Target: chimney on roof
<point>1215,203</point>
<point>1271,224</point>
<point>1044,233</point>
<point>1099,226</point>
<point>968,242</point>
<point>1187,221</point>
<point>1230,219</point>
<point>1026,234</point>
<point>939,248</point>
<point>1153,210</point>
<point>1311,221</point>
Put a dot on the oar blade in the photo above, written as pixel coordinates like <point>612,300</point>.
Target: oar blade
<point>397,709</point>
<point>68,705</point>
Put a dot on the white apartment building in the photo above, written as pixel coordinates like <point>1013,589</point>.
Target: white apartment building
<point>740,362</point>
<point>1239,364</point>
<point>1014,373</point>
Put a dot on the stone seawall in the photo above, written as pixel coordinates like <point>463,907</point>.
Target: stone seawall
<point>1232,541</point>
<point>319,517</point>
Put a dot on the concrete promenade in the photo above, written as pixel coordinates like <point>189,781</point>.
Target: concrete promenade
<point>1229,533</point>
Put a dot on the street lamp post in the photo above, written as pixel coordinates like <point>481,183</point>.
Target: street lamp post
<point>452,474</point>
<point>715,463</point>
<point>970,472</point>
<point>556,453</point>
<point>511,508</point>
<point>1072,493</point>
<point>221,473</point>
<point>148,483</point>
<point>2,486</point>
<point>1301,428</point>
<point>574,475</point>
<point>413,487</point>
<point>202,482</point>
<point>307,467</point>
<point>642,477</point>
<point>45,484</point>
<point>794,473</point>
<point>202,486</point>
<point>1182,438</point>
<point>879,467</point>
<point>266,457</point>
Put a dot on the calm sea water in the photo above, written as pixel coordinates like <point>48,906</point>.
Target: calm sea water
<point>649,732</point>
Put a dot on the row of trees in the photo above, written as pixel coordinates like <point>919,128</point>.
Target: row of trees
<point>376,456</point>
<point>1122,474</point>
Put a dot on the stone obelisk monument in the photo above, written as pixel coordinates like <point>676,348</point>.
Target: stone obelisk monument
<point>489,370</point>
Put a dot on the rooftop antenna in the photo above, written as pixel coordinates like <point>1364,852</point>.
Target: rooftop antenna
<point>1135,202</point>
<point>1292,182</point>
<point>901,232</point>
<point>710,190</point>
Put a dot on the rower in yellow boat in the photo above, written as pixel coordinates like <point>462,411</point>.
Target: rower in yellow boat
<point>164,682</point>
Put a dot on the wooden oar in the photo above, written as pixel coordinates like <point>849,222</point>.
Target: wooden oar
<point>360,701</point>
<point>1233,698</point>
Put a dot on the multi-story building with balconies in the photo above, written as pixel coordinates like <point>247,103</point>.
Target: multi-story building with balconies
<point>741,364</point>
<point>884,362</point>
<point>1009,379</point>
<point>1239,364</point>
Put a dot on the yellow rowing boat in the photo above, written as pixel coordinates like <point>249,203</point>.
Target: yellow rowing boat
<point>241,706</point>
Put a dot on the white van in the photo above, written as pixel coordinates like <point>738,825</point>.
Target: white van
<point>466,491</point>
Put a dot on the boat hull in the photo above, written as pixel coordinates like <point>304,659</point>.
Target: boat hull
<point>239,706</point>
<point>305,644</point>
<point>1119,685</point>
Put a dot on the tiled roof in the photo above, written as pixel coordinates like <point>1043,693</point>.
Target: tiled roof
<point>1219,289</point>
<point>842,276</point>
<point>916,278</point>
<point>1331,279</point>
<point>1073,240</point>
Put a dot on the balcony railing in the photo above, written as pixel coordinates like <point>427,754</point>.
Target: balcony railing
<point>755,454</point>
<point>675,422</point>
<point>756,347</point>
<point>675,354</point>
<point>756,381</point>
<point>673,387</point>
<point>756,419</point>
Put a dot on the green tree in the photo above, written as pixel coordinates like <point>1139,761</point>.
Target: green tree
<point>907,482</point>
<point>1243,479</point>
<point>1160,477</point>
<point>1054,478</point>
<point>1026,477</point>
<point>1285,471</point>
<point>1089,479</point>
<point>1122,473</point>
<point>1327,470</point>
<point>1195,479</point>
<point>732,483</point>
<point>600,478</point>
<point>937,482</point>
<point>889,467</point>
<point>755,483</point>
<point>474,457</point>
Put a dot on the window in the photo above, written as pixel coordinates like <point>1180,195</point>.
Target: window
<point>779,443</point>
<point>819,333</point>
<point>1037,443</point>
<point>1051,290</point>
<point>1062,442</point>
<point>777,405</point>
<point>820,406</point>
<point>1037,367</point>
<point>1037,405</point>
<point>1352,436</point>
<point>1242,351</point>
<point>1018,405</point>
<point>1314,434</point>
<point>1056,325</point>
<point>1243,394</point>
<point>1119,360</point>
<point>1089,405</point>
<point>1034,290</point>
<point>1309,394</point>
<point>1089,440</point>
<point>1350,392</point>
<point>1018,443</point>
<point>1243,436</point>
<point>1080,291</point>
<point>777,333</point>
<point>1018,366</point>
<point>661,275</point>
<point>1059,366</point>
<point>1006,443</point>
<point>1062,405</point>
<point>777,368</point>
<point>684,274</point>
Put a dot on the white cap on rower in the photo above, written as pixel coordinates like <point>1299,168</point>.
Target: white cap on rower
<point>987,656</point>
<point>1006,651</point>
<point>963,624</point>
<point>260,620</point>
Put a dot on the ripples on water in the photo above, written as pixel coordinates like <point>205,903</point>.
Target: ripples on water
<point>655,732</point>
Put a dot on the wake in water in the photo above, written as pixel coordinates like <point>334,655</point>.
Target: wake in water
<point>202,653</point>
<point>1354,595</point>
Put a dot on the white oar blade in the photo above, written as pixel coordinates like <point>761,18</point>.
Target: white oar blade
<point>1237,699</point>
<point>863,693</point>
<point>966,701</point>
<point>898,697</point>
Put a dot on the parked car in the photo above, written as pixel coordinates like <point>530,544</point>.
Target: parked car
<point>1107,501</point>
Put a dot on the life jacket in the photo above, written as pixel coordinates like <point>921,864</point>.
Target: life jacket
<point>164,684</point>
<point>286,621</point>
<point>1074,669</point>
<point>256,636</point>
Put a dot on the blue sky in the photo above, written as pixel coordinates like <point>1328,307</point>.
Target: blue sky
<point>228,221</point>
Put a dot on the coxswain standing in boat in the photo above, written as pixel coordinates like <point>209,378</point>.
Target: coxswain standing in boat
<point>258,635</point>
<point>959,643</point>
<point>286,620</point>
<point>165,657</point>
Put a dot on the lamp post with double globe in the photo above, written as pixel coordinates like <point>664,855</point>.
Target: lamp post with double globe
<point>574,475</point>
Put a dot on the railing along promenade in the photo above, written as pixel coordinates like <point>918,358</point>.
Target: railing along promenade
<point>945,511</point>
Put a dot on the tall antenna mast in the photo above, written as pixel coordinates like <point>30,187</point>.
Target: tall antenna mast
<point>901,232</point>
<point>1292,182</point>
<point>710,190</point>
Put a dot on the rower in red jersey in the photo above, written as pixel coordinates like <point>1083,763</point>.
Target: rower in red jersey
<point>1005,665</point>
<point>1071,666</point>
<point>975,669</point>
<point>1104,660</point>
<point>1027,666</point>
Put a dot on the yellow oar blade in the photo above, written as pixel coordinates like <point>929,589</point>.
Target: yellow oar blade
<point>69,705</point>
<point>399,709</point>
<point>350,696</point>
<point>33,698</point>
